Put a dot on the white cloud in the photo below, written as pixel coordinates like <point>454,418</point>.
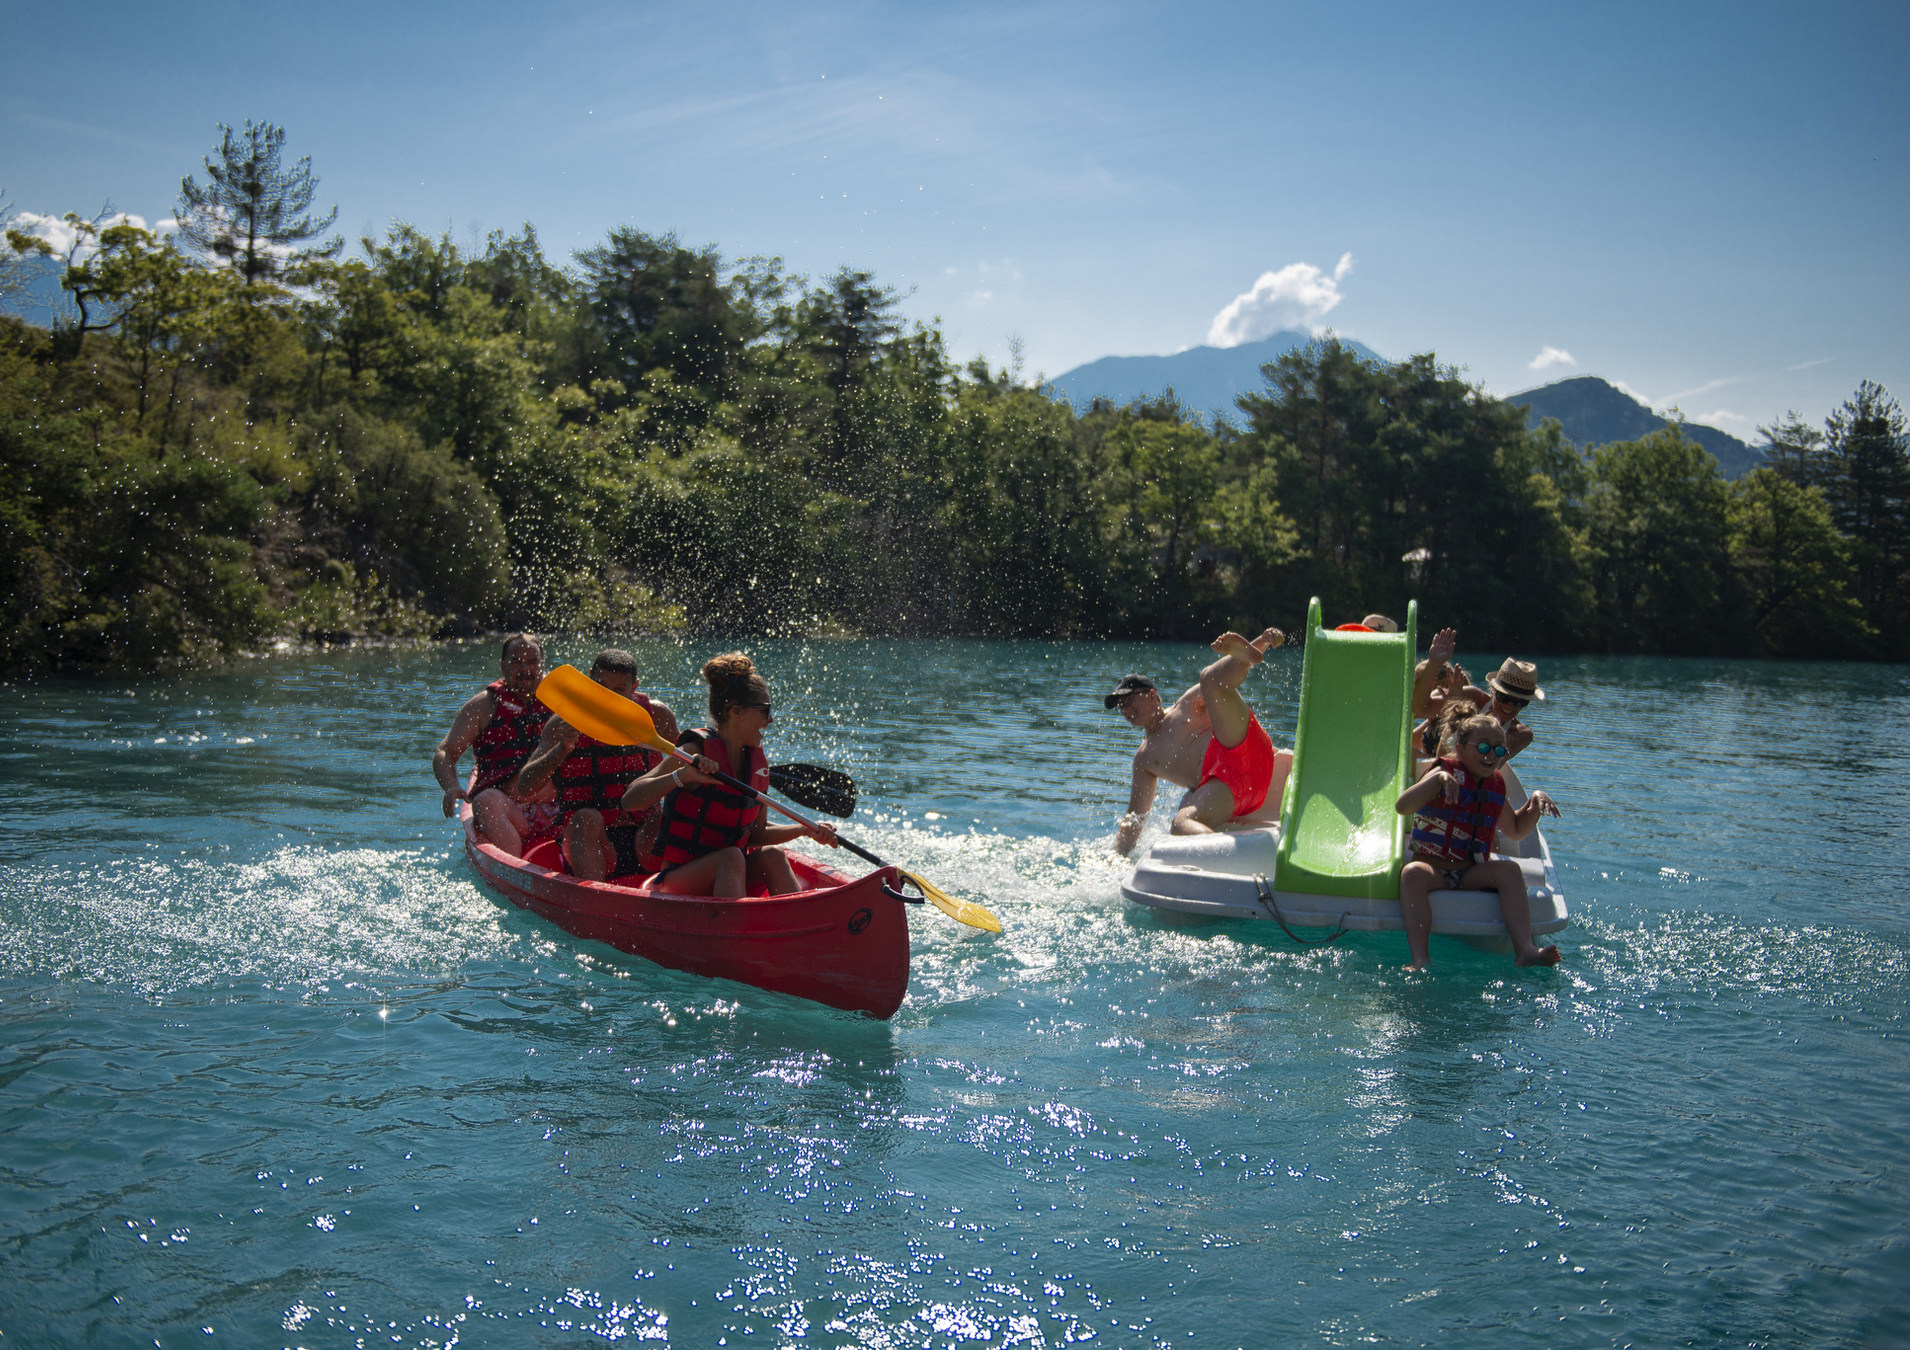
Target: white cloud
<point>1711,419</point>
<point>1624,388</point>
<point>1551,356</point>
<point>61,234</point>
<point>1299,294</point>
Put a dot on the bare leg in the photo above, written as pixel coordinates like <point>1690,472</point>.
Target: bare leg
<point>1515,908</point>
<point>1416,882</point>
<point>723,874</point>
<point>1277,787</point>
<point>585,848</point>
<point>1220,682</point>
<point>501,820</point>
<point>771,867</point>
<point>1207,809</point>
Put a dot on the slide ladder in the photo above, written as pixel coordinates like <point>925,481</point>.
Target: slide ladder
<point>1339,832</point>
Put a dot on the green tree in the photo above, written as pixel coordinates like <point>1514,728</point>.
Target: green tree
<point>848,321</point>
<point>1397,479</point>
<point>1657,536</point>
<point>1868,485</point>
<point>253,213</point>
<point>1794,568</point>
<point>654,304</point>
<point>1024,515</point>
<point>1167,475</point>
<point>162,309</point>
<point>1796,451</point>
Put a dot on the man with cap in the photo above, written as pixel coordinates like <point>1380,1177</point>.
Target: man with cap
<point>1208,742</point>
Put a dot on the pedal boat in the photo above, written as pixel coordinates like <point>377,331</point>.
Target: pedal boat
<point>1187,878</point>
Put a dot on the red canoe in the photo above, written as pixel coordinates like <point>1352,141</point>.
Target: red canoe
<point>840,941</point>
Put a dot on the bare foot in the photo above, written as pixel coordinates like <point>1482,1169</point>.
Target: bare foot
<point>1540,956</point>
<point>1231,643</point>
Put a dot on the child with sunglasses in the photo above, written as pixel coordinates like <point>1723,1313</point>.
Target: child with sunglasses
<point>1458,810</point>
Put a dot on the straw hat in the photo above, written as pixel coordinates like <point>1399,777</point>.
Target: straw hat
<point>1517,679</point>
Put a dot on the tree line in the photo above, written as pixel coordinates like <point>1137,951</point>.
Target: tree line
<point>235,435</point>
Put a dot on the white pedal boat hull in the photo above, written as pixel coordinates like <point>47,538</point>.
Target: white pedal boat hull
<point>1229,876</point>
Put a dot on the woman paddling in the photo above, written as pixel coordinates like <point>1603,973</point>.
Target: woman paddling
<point>714,840</point>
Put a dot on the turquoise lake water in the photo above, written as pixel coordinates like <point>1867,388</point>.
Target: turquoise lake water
<point>276,1070</point>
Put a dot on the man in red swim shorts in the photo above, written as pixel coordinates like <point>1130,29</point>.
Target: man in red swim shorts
<point>1209,741</point>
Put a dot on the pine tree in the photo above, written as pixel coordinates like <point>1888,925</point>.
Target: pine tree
<point>253,213</point>
<point>1869,491</point>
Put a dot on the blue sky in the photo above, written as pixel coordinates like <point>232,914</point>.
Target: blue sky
<point>1704,202</point>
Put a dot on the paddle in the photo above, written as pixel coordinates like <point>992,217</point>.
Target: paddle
<point>609,717</point>
<point>828,790</point>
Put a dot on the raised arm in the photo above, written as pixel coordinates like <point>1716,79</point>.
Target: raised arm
<point>1427,674</point>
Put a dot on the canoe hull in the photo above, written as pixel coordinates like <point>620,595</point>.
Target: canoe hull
<point>840,941</point>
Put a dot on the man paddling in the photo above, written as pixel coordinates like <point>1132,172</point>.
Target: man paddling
<point>500,724</point>
<point>601,839</point>
<point>1208,742</point>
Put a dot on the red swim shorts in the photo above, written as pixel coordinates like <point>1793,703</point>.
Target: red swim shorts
<point>1246,769</point>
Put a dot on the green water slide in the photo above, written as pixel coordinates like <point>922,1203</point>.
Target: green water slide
<point>1339,833</point>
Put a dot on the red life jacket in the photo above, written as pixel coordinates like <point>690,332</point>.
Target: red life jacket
<point>595,775</point>
<point>1460,832</point>
<point>509,737</point>
<point>700,818</point>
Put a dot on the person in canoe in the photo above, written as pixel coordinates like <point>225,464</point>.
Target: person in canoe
<point>1458,810</point>
<point>1209,742</point>
<point>712,839</point>
<point>500,724</point>
<point>602,837</point>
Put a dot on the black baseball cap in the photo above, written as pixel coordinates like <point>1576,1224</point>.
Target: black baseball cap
<point>1130,684</point>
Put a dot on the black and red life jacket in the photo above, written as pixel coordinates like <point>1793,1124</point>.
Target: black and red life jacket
<point>700,818</point>
<point>509,737</point>
<point>595,775</point>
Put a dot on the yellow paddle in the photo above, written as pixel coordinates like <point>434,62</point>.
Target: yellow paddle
<point>607,716</point>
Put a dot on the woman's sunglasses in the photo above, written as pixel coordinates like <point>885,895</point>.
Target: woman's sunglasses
<point>1516,704</point>
<point>1487,750</point>
<point>763,706</point>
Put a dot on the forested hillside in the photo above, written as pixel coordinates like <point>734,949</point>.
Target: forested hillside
<point>236,437</point>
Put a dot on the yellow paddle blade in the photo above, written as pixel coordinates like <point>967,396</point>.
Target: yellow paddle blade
<point>599,713</point>
<point>962,911</point>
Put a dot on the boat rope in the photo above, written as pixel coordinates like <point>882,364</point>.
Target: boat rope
<point>1273,907</point>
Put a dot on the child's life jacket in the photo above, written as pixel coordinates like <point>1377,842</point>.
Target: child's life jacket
<point>1460,832</point>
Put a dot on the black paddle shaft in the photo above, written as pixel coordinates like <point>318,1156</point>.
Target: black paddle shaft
<point>741,786</point>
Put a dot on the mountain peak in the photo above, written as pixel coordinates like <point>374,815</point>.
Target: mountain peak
<point>1596,412</point>
<point>1204,379</point>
